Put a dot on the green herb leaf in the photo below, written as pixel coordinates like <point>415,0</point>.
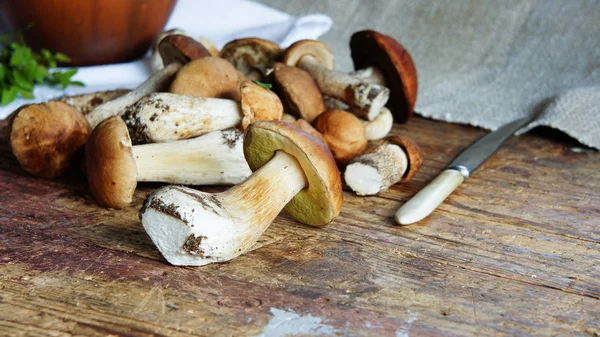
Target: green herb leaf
<point>21,69</point>
<point>267,86</point>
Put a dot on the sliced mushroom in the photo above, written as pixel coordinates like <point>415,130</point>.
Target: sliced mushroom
<point>251,56</point>
<point>364,99</point>
<point>291,170</point>
<point>382,56</point>
<point>208,77</point>
<point>88,102</point>
<point>113,166</point>
<point>344,134</point>
<point>396,159</point>
<point>299,92</point>
<point>166,117</point>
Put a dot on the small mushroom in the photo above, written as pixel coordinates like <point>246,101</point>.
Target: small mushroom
<point>113,166</point>
<point>396,159</point>
<point>364,99</point>
<point>88,102</point>
<point>344,134</point>
<point>376,129</point>
<point>156,62</point>
<point>387,58</point>
<point>166,117</point>
<point>208,77</point>
<point>251,56</point>
<point>291,170</point>
<point>45,137</point>
<point>299,92</point>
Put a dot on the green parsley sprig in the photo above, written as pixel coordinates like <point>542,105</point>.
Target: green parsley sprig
<point>21,69</point>
<point>267,86</point>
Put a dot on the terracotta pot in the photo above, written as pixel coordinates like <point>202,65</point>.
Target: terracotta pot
<point>89,31</point>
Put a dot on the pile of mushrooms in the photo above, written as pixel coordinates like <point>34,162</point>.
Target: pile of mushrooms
<point>203,118</point>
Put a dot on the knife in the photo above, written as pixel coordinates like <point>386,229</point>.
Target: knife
<point>430,197</point>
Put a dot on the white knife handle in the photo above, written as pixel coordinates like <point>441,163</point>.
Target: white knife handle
<point>430,197</point>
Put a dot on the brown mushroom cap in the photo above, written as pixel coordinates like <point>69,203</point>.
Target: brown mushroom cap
<point>180,48</point>
<point>413,152</point>
<point>110,165</point>
<point>299,91</point>
<point>320,202</point>
<point>208,77</point>
<point>371,48</point>
<point>306,127</point>
<point>259,104</point>
<point>45,137</point>
<point>250,54</point>
<point>315,48</point>
<point>344,134</point>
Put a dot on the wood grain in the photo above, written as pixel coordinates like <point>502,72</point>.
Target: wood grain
<point>514,251</point>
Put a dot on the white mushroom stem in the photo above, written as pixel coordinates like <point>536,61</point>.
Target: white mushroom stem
<point>365,99</point>
<point>370,75</point>
<point>375,172</point>
<point>380,127</point>
<point>213,159</point>
<point>165,117</point>
<point>117,106</point>
<point>194,228</point>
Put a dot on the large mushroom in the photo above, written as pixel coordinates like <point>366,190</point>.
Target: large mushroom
<point>344,134</point>
<point>113,166</point>
<point>381,59</point>
<point>396,159</point>
<point>44,137</point>
<point>291,170</point>
<point>165,117</point>
<point>299,92</point>
<point>365,99</point>
<point>251,56</point>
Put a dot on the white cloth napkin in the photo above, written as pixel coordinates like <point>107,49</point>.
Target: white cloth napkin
<point>219,21</point>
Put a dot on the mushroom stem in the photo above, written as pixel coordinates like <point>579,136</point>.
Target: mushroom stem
<point>365,99</point>
<point>379,127</point>
<point>204,228</point>
<point>371,75</point>
<point>164,117</point>
<point>375,172</point>
<point>117,106</point>
<point>212,159</point>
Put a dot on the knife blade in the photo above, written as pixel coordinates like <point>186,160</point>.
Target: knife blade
<point>432,195</point>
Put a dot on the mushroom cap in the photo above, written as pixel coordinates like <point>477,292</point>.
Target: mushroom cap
<point>306,127</point>
<point>320,202</point>
<point>299,91</point>
<point>110,165</point>
<point>208,77</point>
<point>250,54</point>
<point>180,48</point>
<point>317,49</point>
<point>371,48</point>
<point>258,104</point>
<point>344,134</point>
<point>45,137</point>
<point>413,152</point>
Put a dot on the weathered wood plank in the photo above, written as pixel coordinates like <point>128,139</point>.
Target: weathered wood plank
<point>515,251</point>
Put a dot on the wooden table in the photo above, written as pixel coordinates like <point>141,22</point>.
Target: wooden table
<point>514,251</point>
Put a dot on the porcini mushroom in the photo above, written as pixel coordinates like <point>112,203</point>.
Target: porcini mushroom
<point>113,166</point>
<point>88,102</point>
<point>291,170</point>
<point>251,56</point>
<point>165,117</point>
<point>44,137</point>
<point>208,77</point>
<point>364,99</point>
<point>382,56</point>
<point>299,91</point>
<point>156,62</point>
<point>396,159</point>
<point>344,134</point>
<point>376,129</point>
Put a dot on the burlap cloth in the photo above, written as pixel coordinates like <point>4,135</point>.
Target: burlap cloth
<point>485,62</point>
